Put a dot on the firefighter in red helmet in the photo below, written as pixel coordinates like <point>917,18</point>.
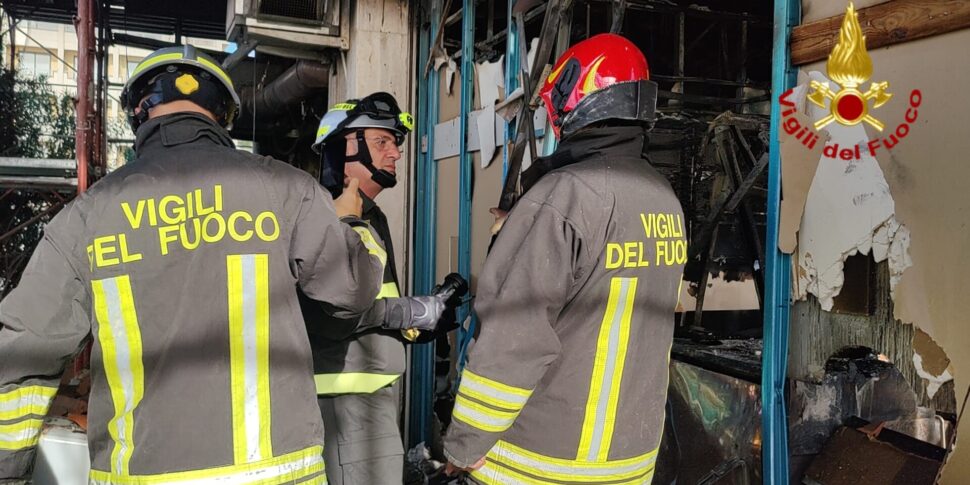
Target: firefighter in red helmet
<point>567,380</point>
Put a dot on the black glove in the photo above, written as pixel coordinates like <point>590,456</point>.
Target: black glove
<point>454,287</point>
<point>419,312</point>
<point>431,314</point>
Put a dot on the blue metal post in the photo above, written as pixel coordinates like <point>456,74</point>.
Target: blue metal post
<point>777,269</point>
<point>511,77</point>
<point>466,162</point>
<point>426,193</point>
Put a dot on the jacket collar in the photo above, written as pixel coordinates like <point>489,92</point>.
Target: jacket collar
<point>370,209</point>
<point>179,129</point>
<point>589,144</point>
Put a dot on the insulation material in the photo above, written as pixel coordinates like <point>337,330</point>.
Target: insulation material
<point>849,210</point>
<point>931,362</point>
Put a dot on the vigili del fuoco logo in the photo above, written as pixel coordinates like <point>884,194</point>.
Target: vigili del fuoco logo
<point>849,66</point>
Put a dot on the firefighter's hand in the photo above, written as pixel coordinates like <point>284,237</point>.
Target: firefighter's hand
<point>500,217</point>
<point>419,312</point>
<point>452,469</point>
<point>349,203</point>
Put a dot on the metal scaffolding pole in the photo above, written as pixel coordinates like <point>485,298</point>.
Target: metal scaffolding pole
<point>84,25</point>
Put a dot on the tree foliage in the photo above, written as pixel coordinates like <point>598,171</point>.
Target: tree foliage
<point>34,121</point>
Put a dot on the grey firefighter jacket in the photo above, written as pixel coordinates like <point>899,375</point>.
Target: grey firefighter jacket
<point>366,357</point>
<point>566,382</point>
<point>181,267</point>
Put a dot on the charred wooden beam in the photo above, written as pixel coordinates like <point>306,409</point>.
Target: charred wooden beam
<point>883,25</point>
<point>699,99</point>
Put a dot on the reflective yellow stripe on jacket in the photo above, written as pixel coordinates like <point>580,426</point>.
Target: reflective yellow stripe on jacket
<point>20,435</point>
<point>358,382</point>
<point>487,404</point>
<point>604,388</point>
<point>373,247</point>
<point>282,469</point>
<point>388,290</point>
<point>121,351</point>
<point>507,463</point>
<point>22,409</point>
<point>248,280</point>
<point>25,401</point>
<point>352,382</point>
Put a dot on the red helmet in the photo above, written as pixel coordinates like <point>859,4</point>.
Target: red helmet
<point>606,65</point>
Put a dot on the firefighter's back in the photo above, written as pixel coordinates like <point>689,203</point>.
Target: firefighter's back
<point>201,363</point>
<point>568,378</point>
<point>605,395</point>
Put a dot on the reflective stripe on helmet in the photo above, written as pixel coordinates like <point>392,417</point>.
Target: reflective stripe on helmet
<point>343,106</point>
<point>217,69</point>
<point>143,75</point>
<point>151,61</point>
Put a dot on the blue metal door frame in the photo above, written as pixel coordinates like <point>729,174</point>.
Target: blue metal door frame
<point>426,213</point>
<point>465,170</point>
<point>774,423</point>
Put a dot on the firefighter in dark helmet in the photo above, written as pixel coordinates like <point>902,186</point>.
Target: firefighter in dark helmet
<point>182,268</point>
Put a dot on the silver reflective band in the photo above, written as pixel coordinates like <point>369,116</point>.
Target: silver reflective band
<point>491,420</point>
<point>577,469</point>
<point>515,400</point>
<point>252,419</point>
<point>122,362</point>
<point>610,373</point>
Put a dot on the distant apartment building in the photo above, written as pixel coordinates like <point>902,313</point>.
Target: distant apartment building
<point>50,50</point>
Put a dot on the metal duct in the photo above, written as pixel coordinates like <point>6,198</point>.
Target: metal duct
<point>294,85</point>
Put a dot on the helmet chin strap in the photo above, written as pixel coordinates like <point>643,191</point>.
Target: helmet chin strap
<point>382,177</point>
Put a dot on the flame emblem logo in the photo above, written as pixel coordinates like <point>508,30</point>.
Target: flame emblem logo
<point>849,66</point>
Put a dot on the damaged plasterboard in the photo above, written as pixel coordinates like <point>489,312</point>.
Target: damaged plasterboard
<point>440,57</point>
<point>486,125</point>
<point>490,78</point>
<point>446,133</point>
<point>491,81</point>
<point>849,210</point>
<point>931,362</point>
<point>798,165</point>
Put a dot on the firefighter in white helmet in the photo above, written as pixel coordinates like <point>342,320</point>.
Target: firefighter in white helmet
<point>359,378</point>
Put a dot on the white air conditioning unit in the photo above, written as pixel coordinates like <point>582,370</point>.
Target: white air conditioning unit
<point>290,24</point>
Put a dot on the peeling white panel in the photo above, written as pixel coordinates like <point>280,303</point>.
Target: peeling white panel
<point>849,210</point>
<point>491,78</point>
<point>933,382</point>
<point>486,128</point>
